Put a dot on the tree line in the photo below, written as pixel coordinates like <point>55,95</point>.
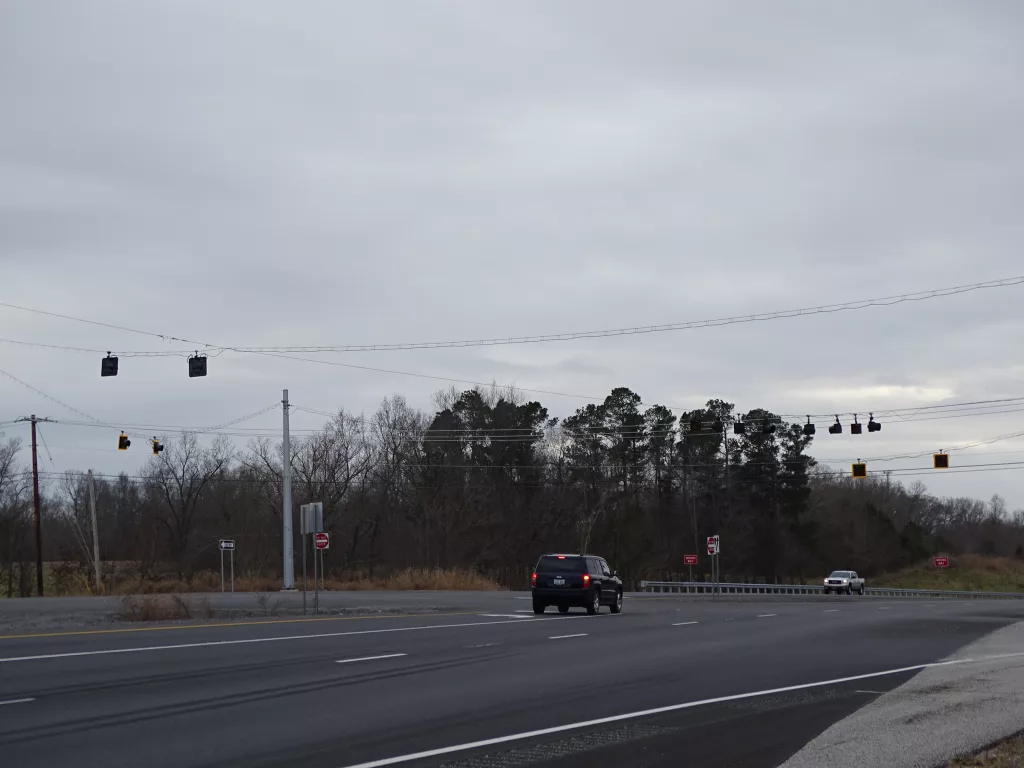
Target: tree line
<point>488,481</point>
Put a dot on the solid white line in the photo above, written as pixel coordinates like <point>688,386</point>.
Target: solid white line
<point>16,701</point>
<point>766,615</point>
<point>563,637</point>
<point>214,643</point>
<point>832,610</point>
<point>662,710</point>
<point>860,690</point>
<point>372,658</point>
<point>684,623</point>
<point>503,615</point>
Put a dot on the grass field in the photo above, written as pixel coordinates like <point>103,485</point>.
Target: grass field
<point>975,573</point>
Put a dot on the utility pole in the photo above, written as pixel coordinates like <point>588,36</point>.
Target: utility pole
<point>35,505</point>
<point>95,534</point>
<point>287,554</point>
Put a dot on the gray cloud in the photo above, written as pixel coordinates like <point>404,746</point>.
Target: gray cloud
<point>326,172</point>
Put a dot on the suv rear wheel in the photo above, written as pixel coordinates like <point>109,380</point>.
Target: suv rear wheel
<point>616,607</point>
<point>595,602</point>
<point>538,607</point>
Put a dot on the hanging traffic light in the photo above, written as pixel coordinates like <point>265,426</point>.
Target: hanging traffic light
<point>855,428</point>
<point>859,469</point>
<point>157,447</point>
<point>739,428</point>
<point>809,429</point>
<point>717,426</point>
<point>123,442</point>
<point>695,425</point>
<point>108,366</point>
<point>768,428</point>
<point>196,366</point>
<point>836,429</point>
<point>940,461</point>
<point>873,426</point>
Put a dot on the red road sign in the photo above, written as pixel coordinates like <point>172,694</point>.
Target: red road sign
<point>689,559</point>
<point>942,562</point>
<point>322,540</point>
<point>713,545</point>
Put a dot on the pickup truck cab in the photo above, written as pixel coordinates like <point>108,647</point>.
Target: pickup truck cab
<point>844,581</point>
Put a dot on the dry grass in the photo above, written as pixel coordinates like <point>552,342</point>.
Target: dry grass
<point>975,573</point>
<point>163,608</point>
<point>1008,754</point>
<point>421,578</point>
<point>123,579</point>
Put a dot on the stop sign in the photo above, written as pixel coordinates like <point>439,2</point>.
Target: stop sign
<point>322,540</point>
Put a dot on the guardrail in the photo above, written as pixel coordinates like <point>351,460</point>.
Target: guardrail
<point>708,588</point>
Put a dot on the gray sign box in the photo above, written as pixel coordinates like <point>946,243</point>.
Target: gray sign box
<point>312,517</point>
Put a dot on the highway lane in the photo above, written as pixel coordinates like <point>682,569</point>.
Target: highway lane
<point>275,694</point>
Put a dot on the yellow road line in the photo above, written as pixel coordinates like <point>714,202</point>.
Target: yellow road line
<point>73,633</point>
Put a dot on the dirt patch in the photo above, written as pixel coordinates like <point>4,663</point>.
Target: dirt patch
<point>1007,754</point>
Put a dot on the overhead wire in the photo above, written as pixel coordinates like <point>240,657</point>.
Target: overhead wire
<point>570,336</point>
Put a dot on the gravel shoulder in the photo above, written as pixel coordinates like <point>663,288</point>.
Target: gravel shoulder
<point>941,714</point>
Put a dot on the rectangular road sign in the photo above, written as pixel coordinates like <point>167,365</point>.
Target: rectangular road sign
<point>312,517</point>
<point>689,559</point>
<point>941,562</point>
<point>227,544</point>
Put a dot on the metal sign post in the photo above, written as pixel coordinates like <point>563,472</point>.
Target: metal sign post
<point>714,550</point>
<point>312,519</point>
<point>227,545</point>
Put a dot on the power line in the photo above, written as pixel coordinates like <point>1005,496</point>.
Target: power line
<point>571,336</point>
<point>53,399</point>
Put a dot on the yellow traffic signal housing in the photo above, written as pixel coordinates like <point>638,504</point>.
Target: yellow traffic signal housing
<point>940,461</point>
<point>860,469</point>
<point>123,442</point>
<point>157,447</point>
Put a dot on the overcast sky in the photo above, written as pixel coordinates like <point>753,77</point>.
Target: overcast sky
<point>271,173</point>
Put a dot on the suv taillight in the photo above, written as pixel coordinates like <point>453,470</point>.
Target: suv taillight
<point>586,579</point>
<point>533,580</point>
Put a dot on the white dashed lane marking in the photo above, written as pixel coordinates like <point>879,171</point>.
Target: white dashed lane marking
<point>684,623</point>
<point>16,701</point>
<point>766,615</point>
<point>371,658</point>
<point>566,637</point>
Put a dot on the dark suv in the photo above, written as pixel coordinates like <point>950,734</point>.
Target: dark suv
<point>581,580</point>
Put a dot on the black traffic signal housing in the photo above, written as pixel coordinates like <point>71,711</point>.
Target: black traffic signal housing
<point>196,366</point>
<point>836,429</point>
<point>717,426</point>
<point>695,426</point>
<point>856,428</point>
<point>809,429</point>
<point>940,461</point>
<point>768,428</point>
<point>859,469</point>
<point>873,426</point>
<point>739,428</point>
<point>108,366</point>
<point>123,443</point>
<point>157,447</point>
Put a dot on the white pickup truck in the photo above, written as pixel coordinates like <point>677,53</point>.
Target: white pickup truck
<point>844,581</point>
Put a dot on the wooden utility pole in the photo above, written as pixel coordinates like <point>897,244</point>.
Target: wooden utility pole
<point>35,505</point>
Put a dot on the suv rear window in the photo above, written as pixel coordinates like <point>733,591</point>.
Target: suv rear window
<point>555,564</point>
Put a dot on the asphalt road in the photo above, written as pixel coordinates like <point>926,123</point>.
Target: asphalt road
<point>348,691</point>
